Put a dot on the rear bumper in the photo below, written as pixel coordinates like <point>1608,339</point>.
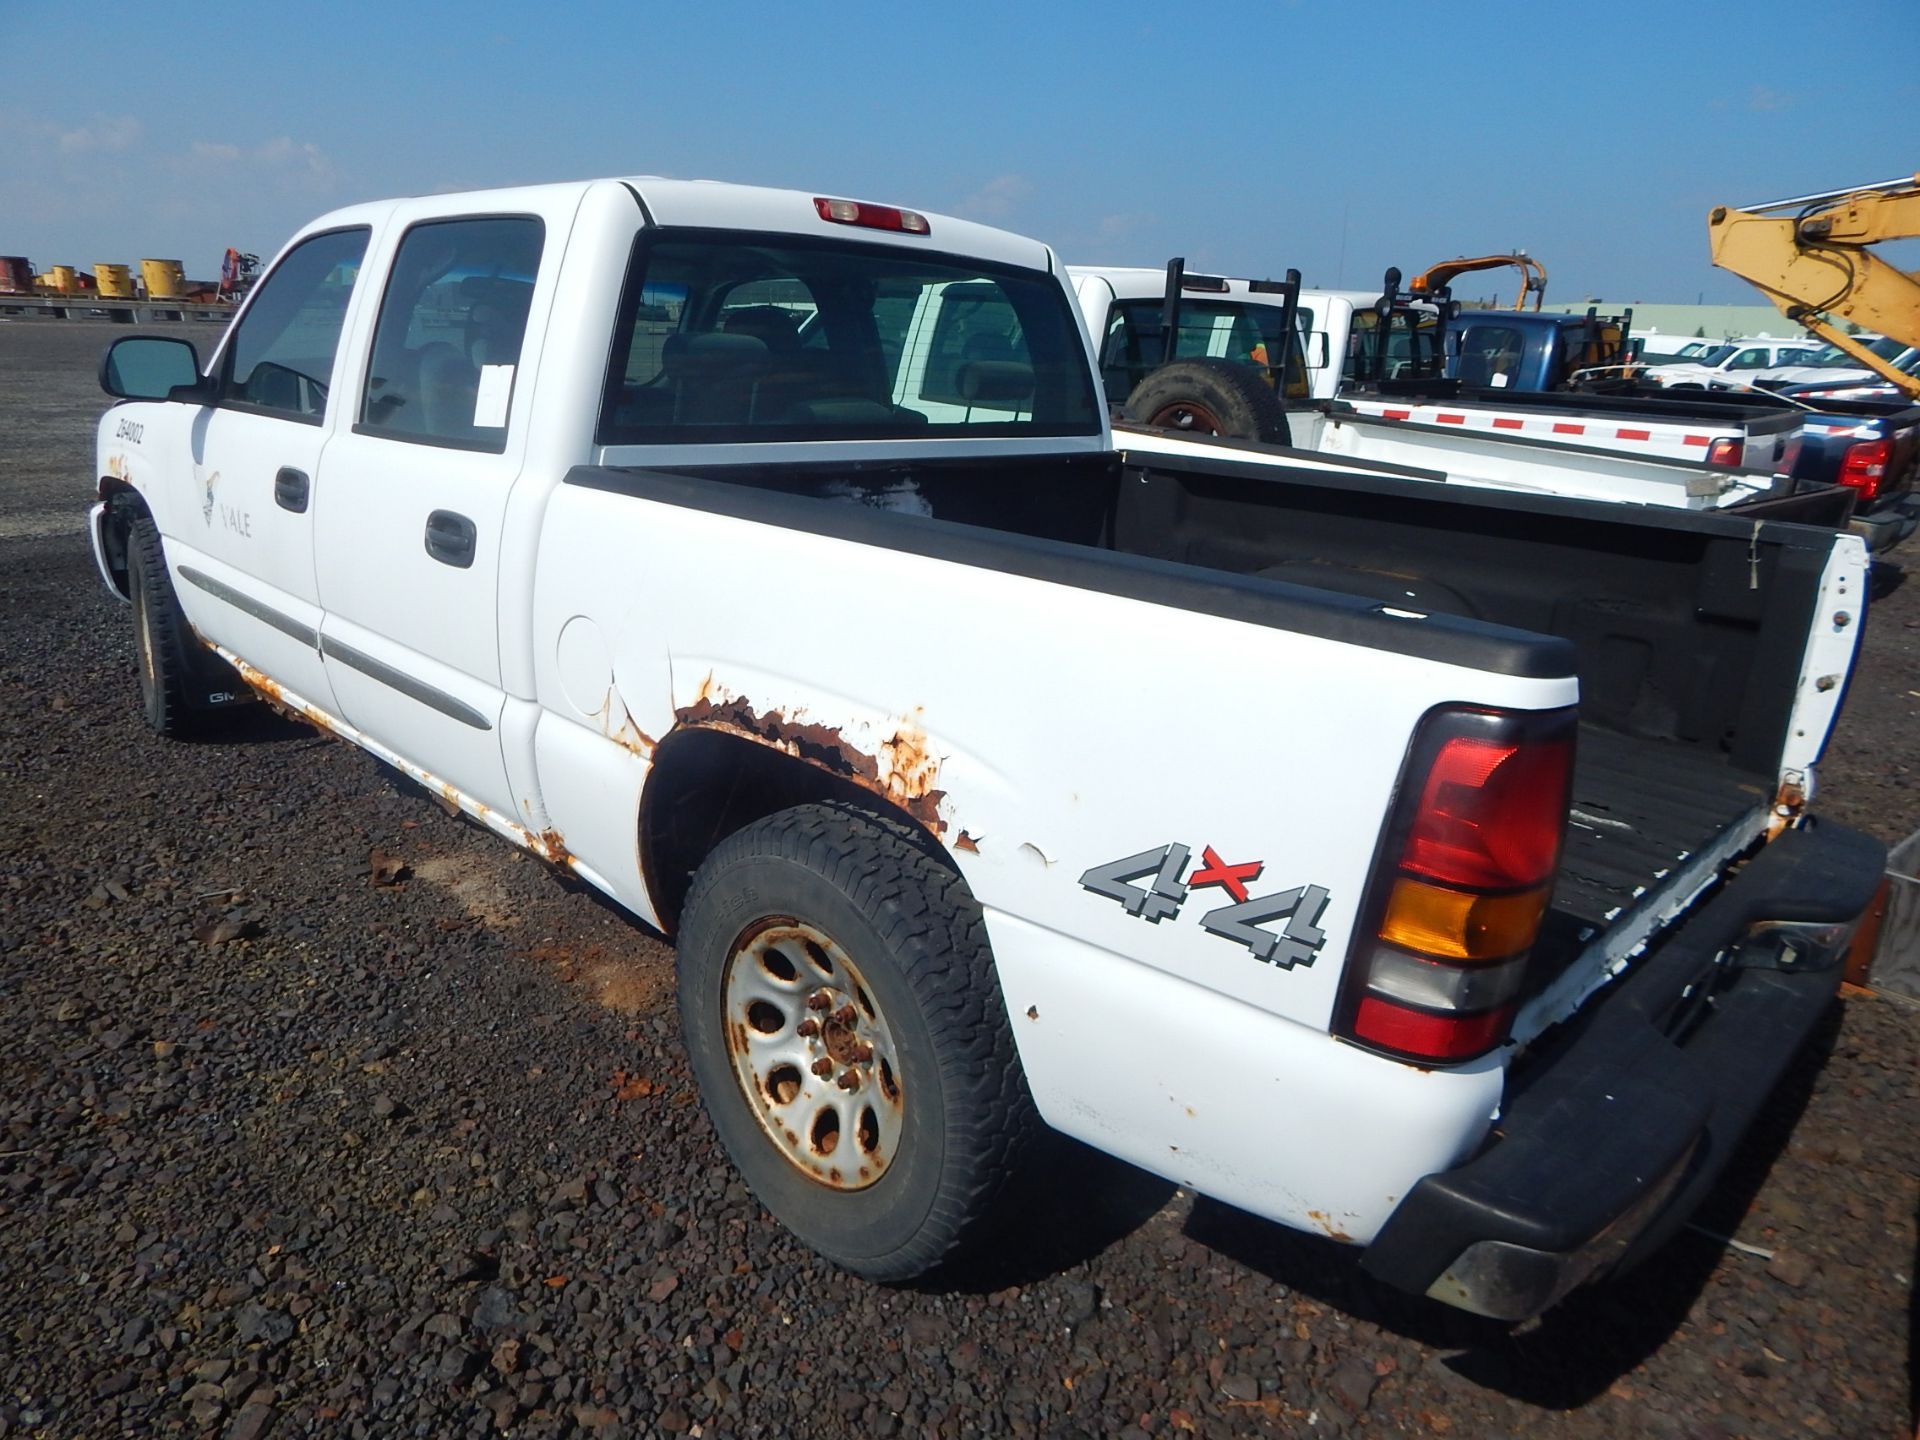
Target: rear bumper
<point>1888,522</point>
<point>1609,1140</point>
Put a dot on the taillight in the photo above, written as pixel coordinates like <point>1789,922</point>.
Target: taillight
<point>1726,452</point>
<point>1465,874</point>
<point>1865,466</point>
<point>874,217</point>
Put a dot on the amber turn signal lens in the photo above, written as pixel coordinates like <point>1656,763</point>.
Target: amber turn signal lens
<point>1454,925</point>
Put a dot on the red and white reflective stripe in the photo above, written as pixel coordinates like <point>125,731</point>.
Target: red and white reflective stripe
<point>1555,427</point>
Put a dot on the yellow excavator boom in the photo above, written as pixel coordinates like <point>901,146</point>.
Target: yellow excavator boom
<point>1533,275</point>
<point>1817,268</point>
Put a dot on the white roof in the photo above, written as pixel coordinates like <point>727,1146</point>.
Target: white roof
<point>721,205</point>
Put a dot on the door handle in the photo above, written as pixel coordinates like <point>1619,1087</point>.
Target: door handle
<point>290,489</point>
<point>450,538</point>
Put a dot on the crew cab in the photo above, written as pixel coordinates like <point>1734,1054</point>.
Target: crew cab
<point>1473,924</point>
<point>1736,364</point>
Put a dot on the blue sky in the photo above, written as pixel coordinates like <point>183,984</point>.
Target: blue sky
<point>1339,138</point>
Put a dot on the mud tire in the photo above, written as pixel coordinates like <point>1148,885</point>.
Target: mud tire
<point>886,895</point>
<point>165,651</point>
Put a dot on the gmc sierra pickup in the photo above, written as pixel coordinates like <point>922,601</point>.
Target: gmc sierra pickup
<point>1429,869</point>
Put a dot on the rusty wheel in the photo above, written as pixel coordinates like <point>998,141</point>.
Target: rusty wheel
<point>1210,397</point>
<point>840,1008</point>
<point>1189,415</point>
<point>813,1053</point>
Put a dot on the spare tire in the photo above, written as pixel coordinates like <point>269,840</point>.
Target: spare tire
<point>1210,397</point>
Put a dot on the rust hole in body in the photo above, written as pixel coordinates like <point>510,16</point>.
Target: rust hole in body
<point>968,843</point>
<point>907,776</point>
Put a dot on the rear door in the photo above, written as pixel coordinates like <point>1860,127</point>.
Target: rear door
<point>414,497</point>
<point>242,554</point>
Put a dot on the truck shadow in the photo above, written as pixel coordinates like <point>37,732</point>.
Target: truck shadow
<point>1884,578</point>
<point>1068,1205</point>
<point>1587,1342</point>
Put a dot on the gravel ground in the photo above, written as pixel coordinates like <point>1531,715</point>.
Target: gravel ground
<point>283,1150</point>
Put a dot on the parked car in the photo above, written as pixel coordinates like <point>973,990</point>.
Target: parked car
<point>1736,363</point>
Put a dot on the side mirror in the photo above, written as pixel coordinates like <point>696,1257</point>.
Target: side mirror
<point>147,367</point>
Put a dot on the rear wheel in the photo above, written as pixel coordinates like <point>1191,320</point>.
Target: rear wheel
<point>849,1038</point>
<point>164,645</point>
<point>1210,397</point>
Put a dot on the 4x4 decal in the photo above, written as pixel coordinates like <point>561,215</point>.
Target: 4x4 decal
<point>1298,942</point>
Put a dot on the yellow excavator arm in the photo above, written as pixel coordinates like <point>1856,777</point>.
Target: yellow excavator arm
<point>1533,275</point>
<point>1817,268</point>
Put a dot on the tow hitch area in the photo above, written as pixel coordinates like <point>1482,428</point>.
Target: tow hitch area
<point>1612,1135</point>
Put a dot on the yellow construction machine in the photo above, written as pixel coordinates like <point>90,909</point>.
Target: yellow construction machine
<point>1533,275</point>
<point>1815,263</point>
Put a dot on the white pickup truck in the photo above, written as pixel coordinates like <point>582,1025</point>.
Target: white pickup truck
<point>1541,444</point>
<point>1427,869</point>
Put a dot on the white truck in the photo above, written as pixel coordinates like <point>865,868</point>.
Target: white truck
<point>1737,364</point>
<point>1584,447</point>
<point>1426,869</point>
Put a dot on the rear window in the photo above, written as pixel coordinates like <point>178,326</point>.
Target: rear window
<point>725,336</point>
<point>1135,342</point>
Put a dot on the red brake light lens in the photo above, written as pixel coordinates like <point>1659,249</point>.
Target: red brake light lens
<point>1726,452</point>
<point>1431,1036</point>
<point>1490,813</point>
<point>1464,883</point>
<point>873,217</point>
<point>1865,467</point>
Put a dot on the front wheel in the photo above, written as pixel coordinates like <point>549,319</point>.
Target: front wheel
<point>164,644</point>
<point>849,1038</point>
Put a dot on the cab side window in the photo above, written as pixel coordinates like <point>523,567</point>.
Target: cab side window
<point>1749,360</point>
<point>446,346</point>
<point>280,359</point>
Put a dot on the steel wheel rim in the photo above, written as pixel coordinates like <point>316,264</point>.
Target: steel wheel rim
<point>813,1053</point>
<point>1186,415</point>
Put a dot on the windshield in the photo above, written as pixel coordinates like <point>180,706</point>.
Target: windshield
<point>1411,352</point>
<point>724,336</point>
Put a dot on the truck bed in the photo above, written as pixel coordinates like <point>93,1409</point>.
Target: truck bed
<point>1641,810</point>
<point>1688,628</point>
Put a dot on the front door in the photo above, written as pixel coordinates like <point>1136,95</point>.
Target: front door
<point>414,499</point>
<point>242,554</point>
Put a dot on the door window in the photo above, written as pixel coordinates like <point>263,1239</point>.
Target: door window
<point>281,355</point>
<point>1749,360</point>
<point>446,346</point>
